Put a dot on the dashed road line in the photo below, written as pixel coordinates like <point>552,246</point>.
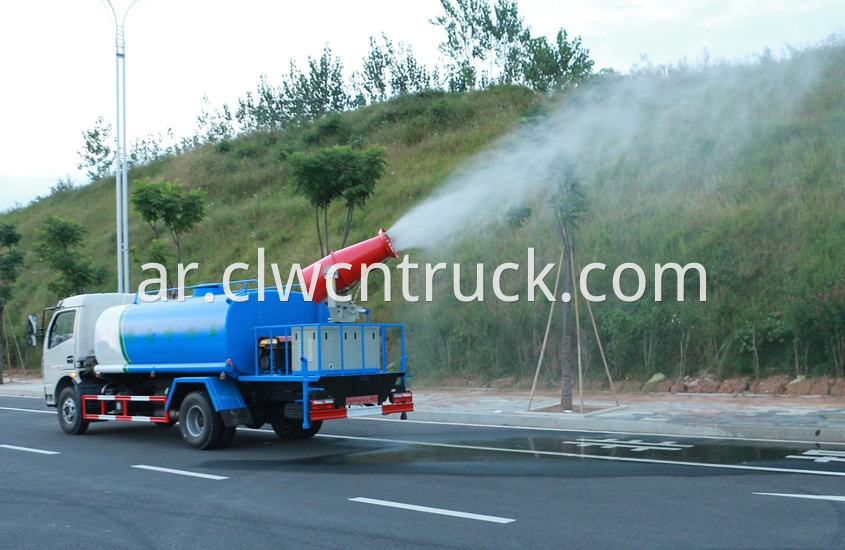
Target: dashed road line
<point>30,450</point>
<point>26,410</point>
<point>834,498</point>
<point>179,472</point>
<point>430,510</point>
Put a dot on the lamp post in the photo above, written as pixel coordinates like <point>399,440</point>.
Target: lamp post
<point>121,171</point>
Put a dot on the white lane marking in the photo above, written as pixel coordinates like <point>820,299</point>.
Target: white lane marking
<point>819,455</point>
<point>29,450</point>
<point>25,410</point>
<point>179,472</point>
<point>637,445</point>
<point>595,457</point>
<point>810,497</point>
<point>576,430</point>
<point>41,397</point>
<point>427,509</point>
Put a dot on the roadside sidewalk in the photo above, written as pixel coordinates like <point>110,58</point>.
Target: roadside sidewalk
<point>748,416</point>
<point>21,387</point>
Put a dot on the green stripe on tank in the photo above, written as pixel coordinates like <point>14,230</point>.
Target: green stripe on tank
<point>122,343</point>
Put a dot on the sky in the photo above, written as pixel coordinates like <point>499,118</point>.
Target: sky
<point>57,57</point>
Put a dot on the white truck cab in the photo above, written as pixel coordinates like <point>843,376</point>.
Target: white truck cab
<point>69,338</point>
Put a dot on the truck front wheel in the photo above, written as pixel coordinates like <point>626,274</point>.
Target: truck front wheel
<point>70,412</point>
<point>200,425</point>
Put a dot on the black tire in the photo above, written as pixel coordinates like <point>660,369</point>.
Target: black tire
<point>312,431</point>
<point>70,411</point>
<point>291,428</point>
<point>200,425</point>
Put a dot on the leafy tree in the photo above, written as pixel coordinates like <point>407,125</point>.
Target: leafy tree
<point>97,154</point>
<point>390,70</point>
<point>337,172</point>
<point>360,172</point>
<point>376,71</point>
<point>319,92</point>
<point>466,23</point>
<point>215,125</point>
<point>171,204</point>
<point>550,67</point>
<point>568,204</point>
<point>507,37</point>
<point>62,186</point>
<point>11,260</point>
<point>151,148</point>
<point>58,241</point>
<point>407,75</point>
<point>148,199</point>
<point>267,110</point>
<point>491,45</point>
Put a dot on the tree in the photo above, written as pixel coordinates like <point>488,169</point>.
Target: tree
<point>360,171</point>
<point>407,76</point>
<point>376,71</point>
<point>171,204</point>
<point>97,154</point>
<point>148,199</point>
<point>58,241</point>
<point>267,110</point>
<point>336,172</point>
<point>466,23</point>
<point>319,92</point>
<point>214,125</point>
<point>553,67</point>
<point>11,260</point>
<point>390,70</point>
<point>507,36</point>
<point>568,204</point>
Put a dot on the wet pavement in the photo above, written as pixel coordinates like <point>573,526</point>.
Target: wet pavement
<point>743,416</point>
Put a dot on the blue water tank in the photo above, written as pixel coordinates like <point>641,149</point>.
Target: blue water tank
<point>197,335</point>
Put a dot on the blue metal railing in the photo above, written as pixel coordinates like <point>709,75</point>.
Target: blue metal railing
<point>309,360</point>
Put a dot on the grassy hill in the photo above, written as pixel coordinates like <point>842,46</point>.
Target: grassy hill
<point>738,168</point>
<point>251,201</point>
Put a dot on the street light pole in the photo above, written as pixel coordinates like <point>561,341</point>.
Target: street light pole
<point>121,170</point>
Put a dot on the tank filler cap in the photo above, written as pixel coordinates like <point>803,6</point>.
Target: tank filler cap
<point>213,288</point>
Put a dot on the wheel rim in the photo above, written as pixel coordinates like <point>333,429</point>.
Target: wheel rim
<point>69,411</point>
<point>194,421</point>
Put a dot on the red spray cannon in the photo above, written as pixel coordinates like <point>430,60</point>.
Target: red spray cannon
<point>365,253</point>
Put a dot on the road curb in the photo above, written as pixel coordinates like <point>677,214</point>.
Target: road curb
<point>11,389</point>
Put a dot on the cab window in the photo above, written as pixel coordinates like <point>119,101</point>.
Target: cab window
<point>61,329</point>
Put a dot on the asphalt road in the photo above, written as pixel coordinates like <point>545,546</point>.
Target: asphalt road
<point>389,484</point>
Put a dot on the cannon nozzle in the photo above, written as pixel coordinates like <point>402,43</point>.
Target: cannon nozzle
<point>373,250</point>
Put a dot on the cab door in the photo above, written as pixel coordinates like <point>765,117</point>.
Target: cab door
<point>59,350</point>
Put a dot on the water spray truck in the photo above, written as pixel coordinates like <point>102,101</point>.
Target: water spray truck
<point>212,363</point>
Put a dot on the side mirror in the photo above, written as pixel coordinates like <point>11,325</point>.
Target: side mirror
<point>32,330</point>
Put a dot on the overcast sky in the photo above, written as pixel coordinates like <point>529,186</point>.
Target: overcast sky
<point>57,57</point>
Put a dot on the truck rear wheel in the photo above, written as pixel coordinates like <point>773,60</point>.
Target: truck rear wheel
<point>291,428</point>
<point>200,425</point>
<point>70,412</point>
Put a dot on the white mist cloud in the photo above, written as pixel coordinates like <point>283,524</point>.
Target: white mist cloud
<point>699,117</point>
